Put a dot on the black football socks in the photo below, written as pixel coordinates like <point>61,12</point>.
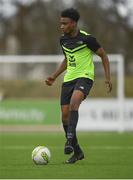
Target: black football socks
<point>70,131</point>
<point>72,124</point>
<point>65,129</point>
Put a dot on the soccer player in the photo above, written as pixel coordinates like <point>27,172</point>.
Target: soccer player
<point>78,48</point>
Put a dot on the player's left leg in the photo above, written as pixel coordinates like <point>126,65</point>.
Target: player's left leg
<point>66,93</point>
<point>80,92</point>
<point>76,99</point>
<point>65,121</point>
<point>78,153</point>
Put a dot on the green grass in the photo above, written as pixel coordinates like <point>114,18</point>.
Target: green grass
<point>107,155</point>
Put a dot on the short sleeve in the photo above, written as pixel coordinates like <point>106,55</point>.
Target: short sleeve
<point>92,43</point>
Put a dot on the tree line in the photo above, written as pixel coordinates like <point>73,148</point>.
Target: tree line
<point>35,28</point>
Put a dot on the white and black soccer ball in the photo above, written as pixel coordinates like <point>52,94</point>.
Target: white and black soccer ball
<point>41,155</point>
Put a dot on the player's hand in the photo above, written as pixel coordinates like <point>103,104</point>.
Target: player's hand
<point>49,81</point>
<point>108,85</point>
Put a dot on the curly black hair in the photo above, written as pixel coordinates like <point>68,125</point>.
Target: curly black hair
<point>71,13</point>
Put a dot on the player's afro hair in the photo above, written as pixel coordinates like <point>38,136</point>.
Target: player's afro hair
<point>71,13</point>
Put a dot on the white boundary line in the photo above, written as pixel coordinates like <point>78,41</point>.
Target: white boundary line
<point>88,147</point>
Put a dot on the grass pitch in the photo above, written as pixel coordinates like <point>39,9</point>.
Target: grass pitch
<point>107,155</point>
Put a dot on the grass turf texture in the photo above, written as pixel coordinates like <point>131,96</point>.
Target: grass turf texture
<point>107,155</point>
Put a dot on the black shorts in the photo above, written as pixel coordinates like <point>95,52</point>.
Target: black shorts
<point>82,84</point>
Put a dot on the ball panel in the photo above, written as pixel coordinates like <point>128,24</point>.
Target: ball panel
<point>46,150</point>
<point>36,150</point>
<point>41,155</point>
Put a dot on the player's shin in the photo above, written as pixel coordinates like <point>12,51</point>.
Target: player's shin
<point>72,124</point>
<point>65,129</point>
<point>71,131</point>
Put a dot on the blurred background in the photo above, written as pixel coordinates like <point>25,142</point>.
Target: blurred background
<point>31,28</point>
<point>30,110</point>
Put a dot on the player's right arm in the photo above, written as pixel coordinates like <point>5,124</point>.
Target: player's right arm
<point>50,80</point>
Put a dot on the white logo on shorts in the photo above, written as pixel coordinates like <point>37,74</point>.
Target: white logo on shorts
<point>81,87</point>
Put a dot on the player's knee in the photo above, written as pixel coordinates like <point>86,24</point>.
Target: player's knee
<point>74,106</point>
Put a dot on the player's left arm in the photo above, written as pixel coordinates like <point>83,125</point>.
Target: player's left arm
<point>105,61</point>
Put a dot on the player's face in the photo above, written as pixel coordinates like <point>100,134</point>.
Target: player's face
<point>67,25</point>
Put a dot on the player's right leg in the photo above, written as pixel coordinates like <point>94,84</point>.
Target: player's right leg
<point>65,122</point>
<point>66,93</point>
<point>65,117</point>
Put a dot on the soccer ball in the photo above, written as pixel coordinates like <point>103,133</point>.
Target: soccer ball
<point>41,155</point>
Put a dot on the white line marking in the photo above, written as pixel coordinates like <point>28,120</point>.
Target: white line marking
<point>59,147</point>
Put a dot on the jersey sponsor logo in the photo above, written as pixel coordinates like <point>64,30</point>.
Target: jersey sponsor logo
<point>72,64</point>
<point>72,60</point>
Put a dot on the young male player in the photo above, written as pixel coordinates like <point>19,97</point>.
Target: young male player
<point>78,48</point>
